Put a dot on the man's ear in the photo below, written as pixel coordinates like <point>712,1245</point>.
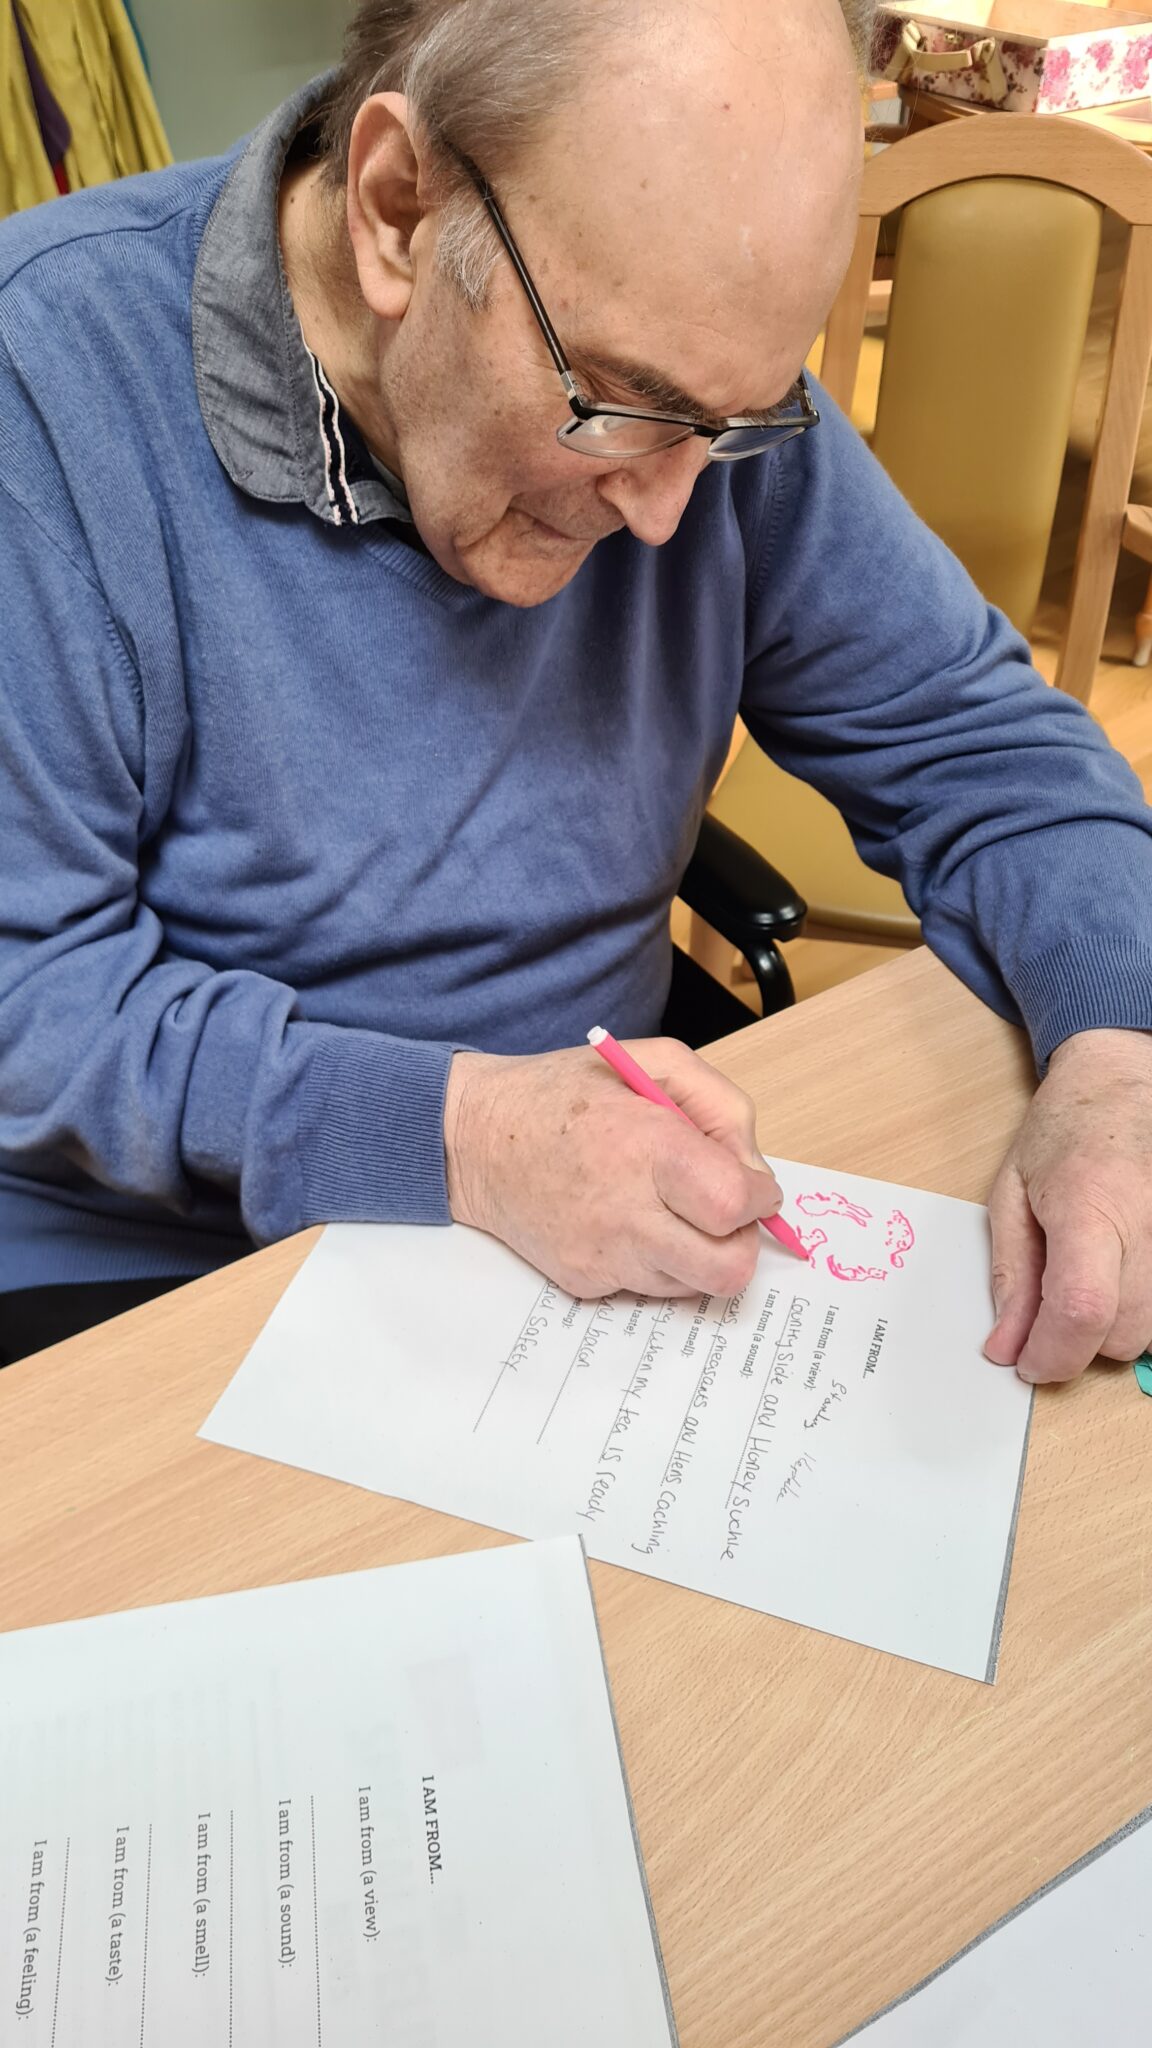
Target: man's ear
<point>384,203</point>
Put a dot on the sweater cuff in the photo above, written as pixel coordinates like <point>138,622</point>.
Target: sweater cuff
<point>370,1131</point>
<point>1087,984</point>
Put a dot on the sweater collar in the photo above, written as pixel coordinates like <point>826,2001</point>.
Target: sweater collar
<point>270,412</point>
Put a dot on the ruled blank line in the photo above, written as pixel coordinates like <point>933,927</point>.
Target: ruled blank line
<point>147,1911</point>
<point>231,1909</point>
<point>316,1921</point>
<point>60,1943</point>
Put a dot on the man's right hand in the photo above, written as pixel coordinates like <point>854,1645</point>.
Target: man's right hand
<point>554,1155</point>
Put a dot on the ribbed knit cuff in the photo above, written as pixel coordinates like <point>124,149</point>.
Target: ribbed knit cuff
<point>1085,984</point>
<point>370,1131</point>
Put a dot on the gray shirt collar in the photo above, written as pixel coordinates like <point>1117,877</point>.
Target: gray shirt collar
<point>271,414</point>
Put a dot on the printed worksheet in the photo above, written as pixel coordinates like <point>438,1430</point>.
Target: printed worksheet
<point>381,1808</point>
<point>1071,1967</point>
<point>830,1445</point>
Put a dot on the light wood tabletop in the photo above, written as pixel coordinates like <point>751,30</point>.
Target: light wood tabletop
<point>822,1824</point>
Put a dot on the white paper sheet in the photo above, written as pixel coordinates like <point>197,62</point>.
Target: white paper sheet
<point>1070,1968</point>
<point>831,1446</point>
<point>382,1808</point>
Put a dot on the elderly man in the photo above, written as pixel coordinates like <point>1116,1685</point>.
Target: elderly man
<point>397,514</point>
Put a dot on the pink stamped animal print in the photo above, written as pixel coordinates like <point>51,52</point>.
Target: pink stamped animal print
<point>835,1208</point>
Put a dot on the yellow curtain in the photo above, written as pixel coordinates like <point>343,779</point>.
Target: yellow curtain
<point>90,58</point>
<point>25,173</point>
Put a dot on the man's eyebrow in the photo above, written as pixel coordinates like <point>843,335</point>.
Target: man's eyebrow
<point>666,396</point>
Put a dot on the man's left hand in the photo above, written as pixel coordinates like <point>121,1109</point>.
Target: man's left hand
<point>1072,1213</point>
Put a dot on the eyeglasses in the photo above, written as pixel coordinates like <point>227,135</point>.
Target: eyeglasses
<point>618,433</point>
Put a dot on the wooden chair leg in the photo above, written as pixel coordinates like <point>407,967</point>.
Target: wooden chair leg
<point>1142,653</point>
<point>1109,480</point>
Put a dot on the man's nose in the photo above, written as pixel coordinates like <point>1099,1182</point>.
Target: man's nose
<point>651,491</point>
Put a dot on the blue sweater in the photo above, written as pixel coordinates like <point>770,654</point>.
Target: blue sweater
<point>286,814</point>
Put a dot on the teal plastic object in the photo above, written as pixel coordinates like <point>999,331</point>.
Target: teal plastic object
<point>1143,1371</point>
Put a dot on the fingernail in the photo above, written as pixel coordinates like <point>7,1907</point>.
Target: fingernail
<point>1029,1379</point>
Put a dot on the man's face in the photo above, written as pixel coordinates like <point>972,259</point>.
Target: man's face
<point>475,404</point>
<point>697,243</point>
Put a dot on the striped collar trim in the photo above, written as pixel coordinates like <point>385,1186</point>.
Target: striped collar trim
<point>344,512</point>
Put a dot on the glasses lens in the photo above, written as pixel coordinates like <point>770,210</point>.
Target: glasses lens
<point>614,436</point>
<point>738,442</point>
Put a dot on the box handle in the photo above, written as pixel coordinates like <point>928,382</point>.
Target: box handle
<point>911,62</point>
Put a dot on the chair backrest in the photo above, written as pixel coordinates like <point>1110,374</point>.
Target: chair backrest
<point>995,263</point>
<point>989,310</point>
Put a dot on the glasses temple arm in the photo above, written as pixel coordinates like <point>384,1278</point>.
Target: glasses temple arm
<point>521,268</point>
<point>537,304</point>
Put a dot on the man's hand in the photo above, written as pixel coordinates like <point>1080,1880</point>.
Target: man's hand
<point>1072,1213</point>
<point>601,1190</point>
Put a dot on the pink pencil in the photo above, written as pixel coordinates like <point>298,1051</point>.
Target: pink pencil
<point>641,1083</point>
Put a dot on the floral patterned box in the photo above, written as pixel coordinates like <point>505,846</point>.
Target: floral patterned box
<point>1025,56</point>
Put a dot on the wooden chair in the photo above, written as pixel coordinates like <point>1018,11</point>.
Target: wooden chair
<point>998,244</point>
<point>1137,539</point>
<point>1081,161</point>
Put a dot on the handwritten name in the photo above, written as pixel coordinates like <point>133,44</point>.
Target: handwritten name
<point>797,1473</point>
<point>836,1392</point>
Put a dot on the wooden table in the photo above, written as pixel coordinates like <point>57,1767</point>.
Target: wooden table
<point>822,1824</point>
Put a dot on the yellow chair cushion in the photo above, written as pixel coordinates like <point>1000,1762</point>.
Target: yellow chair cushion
<point>805,836</point>
<point>990,305</point>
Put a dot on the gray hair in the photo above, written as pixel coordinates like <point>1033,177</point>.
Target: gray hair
<point>482,75</point>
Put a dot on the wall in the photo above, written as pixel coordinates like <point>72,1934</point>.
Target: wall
<point>218,66</point>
